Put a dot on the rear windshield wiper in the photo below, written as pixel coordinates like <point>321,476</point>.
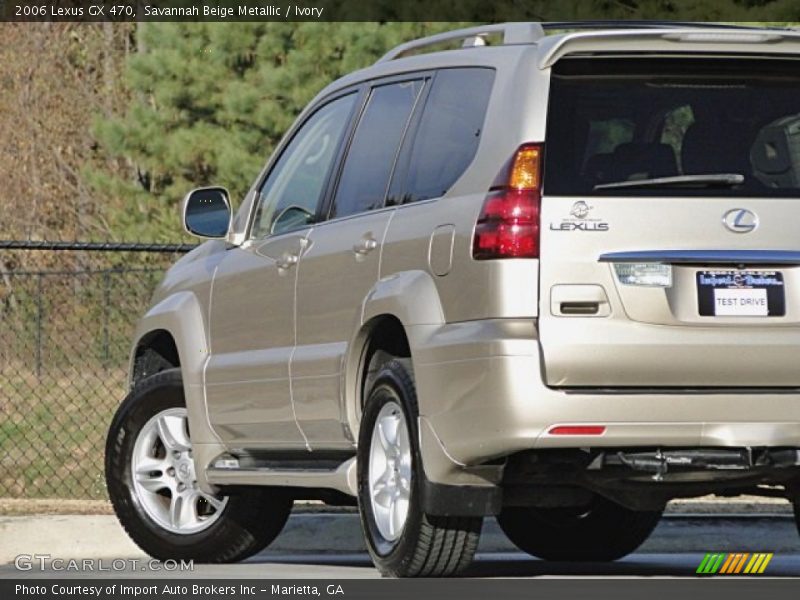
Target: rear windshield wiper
<point>715,180</point>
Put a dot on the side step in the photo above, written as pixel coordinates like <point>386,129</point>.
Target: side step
<point>226,471</point>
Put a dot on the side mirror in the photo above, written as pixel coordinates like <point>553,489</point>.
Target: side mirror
<point>207,212</point>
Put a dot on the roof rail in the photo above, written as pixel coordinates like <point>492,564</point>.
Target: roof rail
<point>513,33</point>
<point>588,25</point>
<point>530,33</point>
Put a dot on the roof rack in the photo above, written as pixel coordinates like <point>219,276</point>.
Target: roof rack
<point>513,33</point>
<point>588,25</point>
<point>530,33</point>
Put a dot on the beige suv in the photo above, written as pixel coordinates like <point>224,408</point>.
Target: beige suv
<point>549,277</point>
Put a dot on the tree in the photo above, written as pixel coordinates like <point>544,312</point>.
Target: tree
<point>53,78</point>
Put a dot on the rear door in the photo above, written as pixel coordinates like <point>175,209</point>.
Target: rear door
<point>671,223</point>
<point>341,263</point>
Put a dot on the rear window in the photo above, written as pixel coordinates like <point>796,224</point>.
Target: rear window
<point>449,132</point>
<point>685,121</point>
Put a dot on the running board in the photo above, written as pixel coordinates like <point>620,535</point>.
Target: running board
<point>342,478</point>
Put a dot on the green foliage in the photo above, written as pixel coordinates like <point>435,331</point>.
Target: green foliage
<point>210,102</point>
<point>667,10</point>
<point>566,10</point>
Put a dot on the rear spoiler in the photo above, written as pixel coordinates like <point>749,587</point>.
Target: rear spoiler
<point>665,41</point>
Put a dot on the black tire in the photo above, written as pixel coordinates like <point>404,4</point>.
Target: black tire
<point>250,520</point>
<point>429,546</point>
<point>602,531</point>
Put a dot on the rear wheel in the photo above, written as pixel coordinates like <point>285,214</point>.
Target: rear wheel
<point>402,540</point>
<point>153,486</point>
<point>601,531</point>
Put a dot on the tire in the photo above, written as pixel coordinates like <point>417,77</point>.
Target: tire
<point>424,545</point>
<point>228,530</point>
<point>603,531</point>
<point>796,505</point>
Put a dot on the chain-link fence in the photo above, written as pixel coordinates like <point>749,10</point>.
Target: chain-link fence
<point>65,335</point>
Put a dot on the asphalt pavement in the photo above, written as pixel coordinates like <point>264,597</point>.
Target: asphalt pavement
<point>330,546</point>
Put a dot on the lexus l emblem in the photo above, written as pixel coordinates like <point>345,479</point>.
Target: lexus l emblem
<point>740,220</point>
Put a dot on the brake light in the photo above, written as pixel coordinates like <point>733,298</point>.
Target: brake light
<point>508,226</point>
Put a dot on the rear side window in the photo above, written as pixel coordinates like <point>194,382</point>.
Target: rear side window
<point>448,133</point>
<point>632,120</point>
<point>373,151</point>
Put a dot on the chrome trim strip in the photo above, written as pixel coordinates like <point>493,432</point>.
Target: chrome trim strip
<point>716,257</point>
<point>678,391</point>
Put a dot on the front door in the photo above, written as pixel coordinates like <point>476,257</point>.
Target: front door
<point>252,315</point>
<point>252,338</point>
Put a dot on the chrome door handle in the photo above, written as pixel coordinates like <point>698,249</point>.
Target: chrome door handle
<point>287,260</point>
<point>365,246</point>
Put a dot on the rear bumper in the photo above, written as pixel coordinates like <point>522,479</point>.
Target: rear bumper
<point>482,396</point>
<point>620,350</point>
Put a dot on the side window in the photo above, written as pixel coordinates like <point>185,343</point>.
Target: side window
<point>288,198</point>
<point>448,133</point>
<point>373,151</point>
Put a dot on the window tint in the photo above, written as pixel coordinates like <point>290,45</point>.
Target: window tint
<point>606,134</point>
<point>448,133</point>
<point>622,120</point>
<point>289,197</point>
<point>374,148</point>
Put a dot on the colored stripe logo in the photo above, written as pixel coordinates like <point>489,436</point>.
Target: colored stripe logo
<point>736,563</point>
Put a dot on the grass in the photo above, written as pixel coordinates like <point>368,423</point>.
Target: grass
<point>53,429</point>
<point>64,343</point>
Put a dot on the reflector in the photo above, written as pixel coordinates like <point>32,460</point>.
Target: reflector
<point>577,430</point>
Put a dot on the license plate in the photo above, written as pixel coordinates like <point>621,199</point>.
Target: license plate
<point>740,294</point>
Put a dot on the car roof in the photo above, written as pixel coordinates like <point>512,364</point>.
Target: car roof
<point>554,40</point>
<point>547,43</point>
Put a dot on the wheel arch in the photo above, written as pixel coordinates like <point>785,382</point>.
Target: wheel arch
<point>153,352</point>
<point>384,332</point>
<point>176,329</point>
<point>392,311</point>
<point>399,316</point>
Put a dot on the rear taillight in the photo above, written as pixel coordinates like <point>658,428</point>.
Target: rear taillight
<point>508,226</point>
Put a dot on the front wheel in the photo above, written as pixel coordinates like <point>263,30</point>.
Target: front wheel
<point>151,480</point>
<point>402,540</point>
<point>601,531</point>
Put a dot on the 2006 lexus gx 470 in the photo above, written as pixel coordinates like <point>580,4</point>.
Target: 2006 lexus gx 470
<point>554,278</point>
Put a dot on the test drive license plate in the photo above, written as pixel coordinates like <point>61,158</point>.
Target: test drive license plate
<point>740,294</point>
